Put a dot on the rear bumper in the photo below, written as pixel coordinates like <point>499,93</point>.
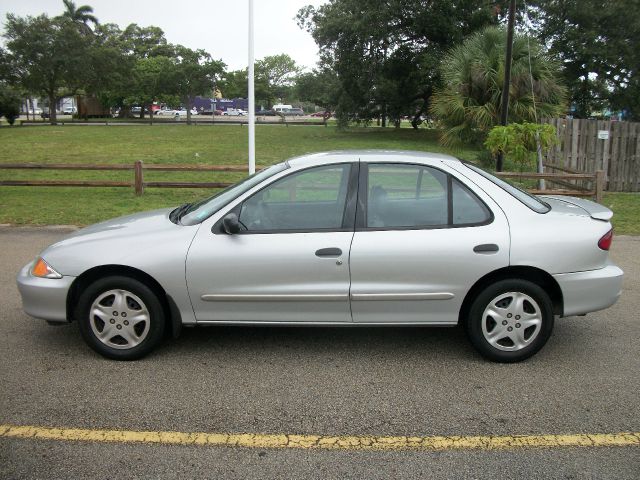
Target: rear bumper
<point>590,291</point>
<point>44,298</point>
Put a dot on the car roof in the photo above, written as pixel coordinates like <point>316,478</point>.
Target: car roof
<point>396,156</point>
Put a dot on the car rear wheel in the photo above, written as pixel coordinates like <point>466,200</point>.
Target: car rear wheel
<point>510,320</point>
<point>120,318</point>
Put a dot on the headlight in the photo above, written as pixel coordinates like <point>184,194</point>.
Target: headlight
<point>43,270</point>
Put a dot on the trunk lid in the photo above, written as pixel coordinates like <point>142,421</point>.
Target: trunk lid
<point>577,206</point>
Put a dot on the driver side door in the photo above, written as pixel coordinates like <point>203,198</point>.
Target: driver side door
<point>290,261</point>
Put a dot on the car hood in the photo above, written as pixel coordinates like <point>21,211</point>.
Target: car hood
<point>578,206</point>
<point>129,225</point>
<point>139,240</point>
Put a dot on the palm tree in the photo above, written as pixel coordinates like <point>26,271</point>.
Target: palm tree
<point>473,73</point>
<point>82,15</point>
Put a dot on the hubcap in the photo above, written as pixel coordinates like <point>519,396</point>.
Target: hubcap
<point>119,319</point>
<point>511,321</point>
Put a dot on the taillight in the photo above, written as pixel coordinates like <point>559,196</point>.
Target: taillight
<point>605,242</point>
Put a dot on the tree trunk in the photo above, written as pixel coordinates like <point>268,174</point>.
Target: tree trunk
<point>188,102</point>
<point>326,117</point>
<point>417,119</point>
<point>53,118</point>
<point>384,115</point>
<point>540,164</point>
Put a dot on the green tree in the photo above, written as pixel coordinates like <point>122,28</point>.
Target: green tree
<point>468,105</point>
<point>385,54</point>
<point>194,74</point>
<point>274,80</point>
<point>112,63</point>
<point>5,65</point>
<point>81,16</point>
<point>10,101</point>
<point>143,42</point>
<point>596,42</point>
<point>154,79</point>
<point>49,56</point>
<point>275,76</point>
<point>115,77</point>
<point>234,84</point>
<point>520,141</point>
<point>320,87</point>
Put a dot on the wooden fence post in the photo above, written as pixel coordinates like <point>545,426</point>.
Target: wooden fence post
<point>139,178</point>
<point>599,185</point>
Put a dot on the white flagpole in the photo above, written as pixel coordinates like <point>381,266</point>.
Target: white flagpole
<point>252,109</point>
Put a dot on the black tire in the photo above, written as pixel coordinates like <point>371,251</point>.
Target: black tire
<point>139,298</point>
<point>492,337</point>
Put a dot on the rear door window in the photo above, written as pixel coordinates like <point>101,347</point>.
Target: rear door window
<point>404,195</point>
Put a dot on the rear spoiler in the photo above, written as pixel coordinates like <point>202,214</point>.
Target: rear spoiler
<point>595,210</point>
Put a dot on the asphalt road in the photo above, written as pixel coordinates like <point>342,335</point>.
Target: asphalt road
<point>330,381</point>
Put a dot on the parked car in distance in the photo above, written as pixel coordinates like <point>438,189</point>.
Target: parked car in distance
<point>69,110</point>
<point>234,112</point>
<point>183,112</point>
<point>293,112</point>
<point>281,107</point>
<point>378,238</point>
<point>266,113</point>
<point>320,114</point>
<point>164,111</point>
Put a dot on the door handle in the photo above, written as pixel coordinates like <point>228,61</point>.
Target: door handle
<point>329,252</point>
<point>486,248</point>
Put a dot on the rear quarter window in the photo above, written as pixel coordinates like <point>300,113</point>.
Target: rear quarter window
<point>467,207</point>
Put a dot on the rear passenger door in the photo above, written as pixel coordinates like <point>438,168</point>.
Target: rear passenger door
<point>422,239</point>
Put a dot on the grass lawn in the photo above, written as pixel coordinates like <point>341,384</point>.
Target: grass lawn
<point>626,212</point>
<point>181,144</point>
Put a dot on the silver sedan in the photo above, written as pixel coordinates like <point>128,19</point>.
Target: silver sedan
<point>377,238</point>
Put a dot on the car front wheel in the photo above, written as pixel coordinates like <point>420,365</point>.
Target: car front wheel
<point>120,318</point>
<point>510,320</point>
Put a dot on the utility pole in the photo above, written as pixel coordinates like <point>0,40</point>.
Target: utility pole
<point>504,113</point>
<point>252,101</point>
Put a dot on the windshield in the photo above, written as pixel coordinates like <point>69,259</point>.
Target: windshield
<point>534,203</point>
<point>197,212</point>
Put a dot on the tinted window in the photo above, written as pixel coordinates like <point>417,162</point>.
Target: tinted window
<point>307,200</point>
<point>467,208</point>
<point>406,196</point>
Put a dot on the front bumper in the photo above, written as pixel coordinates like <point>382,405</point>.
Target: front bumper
<point>44,298</point>
<point>585,292</point>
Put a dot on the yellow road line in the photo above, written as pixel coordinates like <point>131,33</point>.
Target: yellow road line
<point>357,442</point>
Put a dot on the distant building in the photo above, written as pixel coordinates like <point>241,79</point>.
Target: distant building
<point>206,105</point>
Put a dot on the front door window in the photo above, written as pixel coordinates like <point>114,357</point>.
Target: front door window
<point>313,199</point>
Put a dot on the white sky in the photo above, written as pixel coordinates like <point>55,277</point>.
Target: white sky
<point>190,23</point>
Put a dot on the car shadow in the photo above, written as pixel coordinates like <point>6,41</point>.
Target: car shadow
<point>321,341</point>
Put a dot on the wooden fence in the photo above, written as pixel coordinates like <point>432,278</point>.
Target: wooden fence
<point>565,180</point>
<point>590,145</point>
<point>569,183</point>
<point>138,168</point>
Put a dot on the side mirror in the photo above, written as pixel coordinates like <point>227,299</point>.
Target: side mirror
<point>231,224</point>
